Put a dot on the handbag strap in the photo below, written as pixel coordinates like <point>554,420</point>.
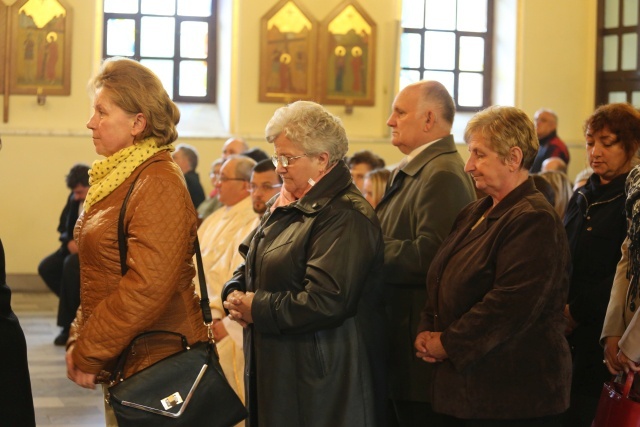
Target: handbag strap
<point>628,383</point>
<point>122,241</point>
<point>122,245</point>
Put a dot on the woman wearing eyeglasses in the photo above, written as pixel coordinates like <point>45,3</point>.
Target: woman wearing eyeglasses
<point>310,292</point>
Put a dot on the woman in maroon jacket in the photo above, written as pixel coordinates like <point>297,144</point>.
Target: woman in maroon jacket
<point>493,322</point>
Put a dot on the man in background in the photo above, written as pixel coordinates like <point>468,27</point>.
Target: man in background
<point>233,146</point>
<point>256,154</point>
<point>220,235</point>
<point>551,145</point>
<point>265,183</point>
<point>212,202</point>
<point>554,164</point>
<point>362,162</point>
<point>186,157</point>
<point>427,191</point>
<point>61,270</point>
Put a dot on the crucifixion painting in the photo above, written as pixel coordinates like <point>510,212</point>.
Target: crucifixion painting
<point>36,58</point>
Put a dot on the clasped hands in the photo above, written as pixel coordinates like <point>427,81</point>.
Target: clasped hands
<point>239,306</point>
<point>429,347</point>
<point>615,359</point>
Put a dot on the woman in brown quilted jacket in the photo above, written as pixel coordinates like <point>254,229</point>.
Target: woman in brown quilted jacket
<point>133,125</point>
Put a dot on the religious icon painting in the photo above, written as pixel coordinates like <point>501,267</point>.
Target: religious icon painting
<point>40,48</point>
<point>287,54</point>
<point>346,69</point>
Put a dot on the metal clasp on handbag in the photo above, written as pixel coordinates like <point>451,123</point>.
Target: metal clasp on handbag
<point>210,331</point>
<point>174,400</point>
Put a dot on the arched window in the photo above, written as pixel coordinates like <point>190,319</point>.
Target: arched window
<point>174,38</point>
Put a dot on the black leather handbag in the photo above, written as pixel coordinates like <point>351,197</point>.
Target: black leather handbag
<point>187,388</point>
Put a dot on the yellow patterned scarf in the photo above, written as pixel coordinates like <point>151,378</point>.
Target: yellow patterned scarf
<point>107,174</point>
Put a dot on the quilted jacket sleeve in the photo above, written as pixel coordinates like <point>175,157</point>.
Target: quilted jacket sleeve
<point>160,226</point>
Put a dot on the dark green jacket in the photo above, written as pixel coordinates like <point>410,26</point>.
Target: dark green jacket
<point>415,218</point>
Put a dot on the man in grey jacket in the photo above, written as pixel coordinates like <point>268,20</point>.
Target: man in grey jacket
<point>425,194</point>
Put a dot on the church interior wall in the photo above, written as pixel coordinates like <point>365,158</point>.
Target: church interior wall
<point>545,58</point>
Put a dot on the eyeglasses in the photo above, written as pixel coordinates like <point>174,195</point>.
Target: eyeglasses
<point>225,179</point>
<point>284,160</point>
<point>263,187</point>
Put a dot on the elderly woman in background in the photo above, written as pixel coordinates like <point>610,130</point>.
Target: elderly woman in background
<point>310,291</point>
<point>562,190</point>
<point>492,324</point>
<point>133,125</point>
<point>596,227</point>
<point>375,183</point>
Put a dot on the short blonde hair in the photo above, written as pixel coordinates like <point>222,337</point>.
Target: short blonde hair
<point>136,89</point>
<point>505,128</point>
<point>378,178</point>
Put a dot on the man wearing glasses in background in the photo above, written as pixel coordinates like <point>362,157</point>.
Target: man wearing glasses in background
<point>265,183</point>
<point>220,236</point>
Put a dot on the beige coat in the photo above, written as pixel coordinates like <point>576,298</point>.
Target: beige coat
<point>157,292</point>
<point>620,321</point>
<point>221,234</point>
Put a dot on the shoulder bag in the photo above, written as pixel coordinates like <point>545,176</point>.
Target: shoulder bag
<point>187,388</point>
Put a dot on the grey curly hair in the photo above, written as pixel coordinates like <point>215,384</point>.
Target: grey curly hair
<point>312,127</point>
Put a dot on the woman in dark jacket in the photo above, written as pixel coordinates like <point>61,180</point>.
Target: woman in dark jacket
<point>309,293</point>
<point>16,402</point>
<point>492,324</point>
<point>596,227</point>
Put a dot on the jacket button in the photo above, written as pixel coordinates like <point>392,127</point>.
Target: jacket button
<point>589,228</point>
<point>315,205</point>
